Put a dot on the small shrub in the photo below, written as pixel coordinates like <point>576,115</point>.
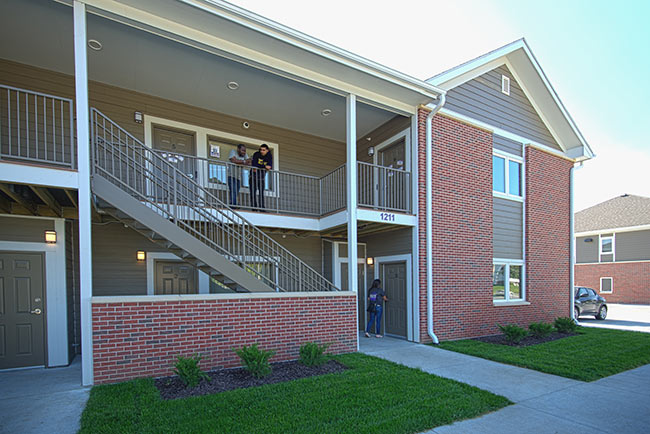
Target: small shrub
<point>540,329</point>
<point>256,361</point>
<point>565,325</point>
<point>513,333</point>
<point>188,369</point>
<point>312,354</point>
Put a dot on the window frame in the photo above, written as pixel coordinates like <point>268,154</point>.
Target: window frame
<point>602,238</point>
<point>600,290</point>
<point>507,157</point>
<point>522,284</point>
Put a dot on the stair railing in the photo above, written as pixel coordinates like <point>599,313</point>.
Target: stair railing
<point>127,163</point>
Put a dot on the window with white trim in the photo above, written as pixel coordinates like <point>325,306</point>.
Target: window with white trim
<point>508,281</point>
<point>606,285</point>
<point>606,248</point>
<point>507,176</point>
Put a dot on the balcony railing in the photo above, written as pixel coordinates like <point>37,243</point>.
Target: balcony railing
<point>379,187</point>
<point>36,127</point>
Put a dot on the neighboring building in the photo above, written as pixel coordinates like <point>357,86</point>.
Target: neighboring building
<point>118,149</point>
<point>613,249</point>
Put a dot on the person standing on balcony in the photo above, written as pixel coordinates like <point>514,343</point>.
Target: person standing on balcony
<point>238,157</point>
<point>376,299</point>
<point>261,162</point>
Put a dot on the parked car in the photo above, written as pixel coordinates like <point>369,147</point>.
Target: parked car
<point>587,302</point>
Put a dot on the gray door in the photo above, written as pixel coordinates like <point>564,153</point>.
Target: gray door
<point>392,183</point>
<point>21,310</point>
<point>173,277</point>
<point>178,147</point>
<point>393,277</point>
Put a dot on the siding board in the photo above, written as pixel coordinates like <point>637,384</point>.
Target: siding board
<point>586,252</point>
<point>507,145</point>
<point>507,228</point>
<point>24,229</point>
<point>633,246</point>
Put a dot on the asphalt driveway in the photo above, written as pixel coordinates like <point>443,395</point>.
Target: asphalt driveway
<point>632,317</point>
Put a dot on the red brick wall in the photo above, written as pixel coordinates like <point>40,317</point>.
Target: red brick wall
<point>462,234</point>
<point>631,280</point>
<point>142,339</point>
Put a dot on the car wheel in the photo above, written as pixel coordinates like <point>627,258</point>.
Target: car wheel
<point>576,313</point>
<point>602,313</point>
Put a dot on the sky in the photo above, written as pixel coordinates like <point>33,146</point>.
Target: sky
<point>595,53</point>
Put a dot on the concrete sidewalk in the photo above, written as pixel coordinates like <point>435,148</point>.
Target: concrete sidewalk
<point>543,403</point>
<point>42,400</point>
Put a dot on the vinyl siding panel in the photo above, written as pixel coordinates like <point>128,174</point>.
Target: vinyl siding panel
<point>586,252</point>
<point>308,249</point>
<point>24,229</point>
<point>507,219</point>
<point>397,242</point>
<point>299,152</point>
<point>507,145</point>
<point>633,246</point>
<point>482,99</point>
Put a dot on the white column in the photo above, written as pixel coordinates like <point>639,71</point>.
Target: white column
<point>83,152</point>
<point>351,183</point>
<point>414,327</point>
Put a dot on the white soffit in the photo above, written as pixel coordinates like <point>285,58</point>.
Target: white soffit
<point>252,39</point>
<point>518,57</point>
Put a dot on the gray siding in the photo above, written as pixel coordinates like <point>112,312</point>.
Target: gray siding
<point>115,269</point>
<point>507,145</point>
<point>586,252</point>
<point>308,249</point>
<point>633,246</point>
<point>396,242</point>
<point>508,228</point>
<point>24,229</point>
<point>482,99</point>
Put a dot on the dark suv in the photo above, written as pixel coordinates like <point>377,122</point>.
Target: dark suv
<point>587,302</point>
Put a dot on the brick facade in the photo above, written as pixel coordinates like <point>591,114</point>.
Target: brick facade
<point>631,280</point>
<point>143,338</point>
<point>462,234</point>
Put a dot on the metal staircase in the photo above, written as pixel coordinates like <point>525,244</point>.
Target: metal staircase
<point>147,192</point>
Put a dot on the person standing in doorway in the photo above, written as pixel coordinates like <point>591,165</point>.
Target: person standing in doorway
<point>238,158</point>
<point>376,299</point>
<point>261,162</point>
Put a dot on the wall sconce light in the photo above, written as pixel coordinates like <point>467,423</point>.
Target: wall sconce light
<point>50,237</point>
<point>370,261</point>
<point>140,255</point>
<point>371,151</point>
<point>589,240</point>
<point>137,117</point>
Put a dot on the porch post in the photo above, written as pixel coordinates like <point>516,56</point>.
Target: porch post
<point>351,182</point>
<point>83,157</point>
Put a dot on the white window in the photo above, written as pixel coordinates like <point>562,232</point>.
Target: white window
<point>606,285</point>
<point>606,248</point>
<point>508,281</point>
<point>505,84</point>
<point>507,179</point>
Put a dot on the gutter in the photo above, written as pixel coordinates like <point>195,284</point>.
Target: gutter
<point>429,217</point>
<point>572,244</point>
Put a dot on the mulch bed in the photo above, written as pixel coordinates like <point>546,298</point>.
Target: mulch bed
<point>525,342</point>
<point>240,378</point>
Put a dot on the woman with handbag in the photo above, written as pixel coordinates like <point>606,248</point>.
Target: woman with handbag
<point>376,299</point>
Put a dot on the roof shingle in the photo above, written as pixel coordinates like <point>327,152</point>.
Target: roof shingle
<point>622,211</point>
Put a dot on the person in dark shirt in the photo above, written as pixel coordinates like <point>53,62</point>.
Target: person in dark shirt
<point>261,162</point>
<point>376,299</point>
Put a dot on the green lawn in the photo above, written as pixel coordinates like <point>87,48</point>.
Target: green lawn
<point>594,354</point>
<point>374,396</point>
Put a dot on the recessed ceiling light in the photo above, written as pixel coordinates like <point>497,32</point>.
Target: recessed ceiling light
<point>326,112</point>
<point>233,85</point>
<point>94,44</point>
<point>368,138</point>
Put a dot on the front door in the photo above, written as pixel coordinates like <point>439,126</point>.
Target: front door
<point>392,182</point>
<point>21,310</point>
<point>177,146</point>
<point>393,277</point>
<point>174,277</point>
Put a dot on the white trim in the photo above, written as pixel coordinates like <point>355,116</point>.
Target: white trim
<point>507,157</point>
<point>396,218</point>
<point>55,291</point>
<point>203,278</point>
<point>409,288</point>
<point>614,230</point>
<point>614,263</point>
<point>601,238</point>
<point>502,303</point>
<point>601,285</point>
<point>506,285</point>
<point>19,173</point>
<point>235,296</point>
<point>415,231</point>
<point>505,84</point>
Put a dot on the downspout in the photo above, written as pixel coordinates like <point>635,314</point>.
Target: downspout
<point>429,212</point>
<point>572,245</point>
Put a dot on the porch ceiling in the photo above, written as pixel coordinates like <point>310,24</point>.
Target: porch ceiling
<point>42,36</point>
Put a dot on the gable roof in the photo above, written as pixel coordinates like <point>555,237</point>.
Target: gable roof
<point>620,212</point>
<point>520,60</point>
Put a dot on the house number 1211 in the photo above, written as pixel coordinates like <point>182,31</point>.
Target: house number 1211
<point>387,217</point>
